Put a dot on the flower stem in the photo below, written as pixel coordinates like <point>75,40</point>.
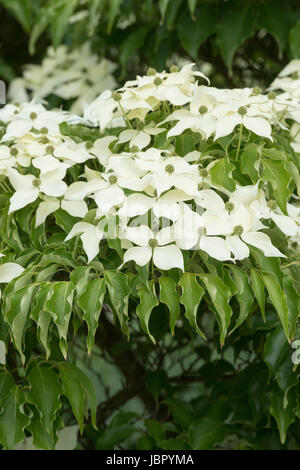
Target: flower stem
<point>239,143</point>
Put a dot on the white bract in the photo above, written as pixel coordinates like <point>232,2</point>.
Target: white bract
<point>135,179</point>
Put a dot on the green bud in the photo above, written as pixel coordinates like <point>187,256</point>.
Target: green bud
<point>256,90</point>
<point>203,172</point>
<point>14,151</point>
<point>272,204</point>
<point>238,230</point>
<point>36,182</point>
<point>89,145</point>
<point>242,110</point>
<point>44,130</point>
<point>134,149</point>
<point>174,69</point>
<point>153,242</point>
<point>169,169</point>
<point>50,149</point>
<point>203,109</point>
<point>33,116</point>
<point>116,96</point>
<point>157,81</point>
<point>272,95</point>
<point>151,71</point>
<point>112,179</point>
<point>44,140</point>
<point>295,75</point>
<point>229,206</point>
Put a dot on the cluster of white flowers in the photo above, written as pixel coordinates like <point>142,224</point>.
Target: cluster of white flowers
<point>76,75</point>
<point>157,203</point>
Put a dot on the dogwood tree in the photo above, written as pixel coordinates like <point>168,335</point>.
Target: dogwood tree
<point>167,195</point>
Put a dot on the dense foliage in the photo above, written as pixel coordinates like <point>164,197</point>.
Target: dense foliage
<point>252,38</point>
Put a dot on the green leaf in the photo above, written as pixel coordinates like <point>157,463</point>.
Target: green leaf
<point>17,315</point>
<point>156,430</point>
<point>162,5</point>
<point>133,41</point>
<point>284,416</point>
<point>61,19</point>
<point>6,71</point>
<point>170,297</point>
<point>91,301</point>
<point>156,381</point>
<point>279,177</point>
<point>43,19</point>
<point>79,390</point>
<point>249,162</point>
<point>41,316</point>
<point>13,419</point>
<point>44,394</point>
<point>234,28</point>
<point>279,301</point>
<point>192,6</point>
<point>244,295</point>
<point>6,383</point>
<point>221,174</point>
<point>21,9</point>
<point>114,435</point>
<point>191,296</point>
<point>276,17</point>
<point>205,432</point>
<point>293,303</point>
<point>59,305</point>
<point>220,295</point>
<point>294,40</point>
<point>148,300</point>
<point>258,288</point>
<point>117,285</point>
<point>193,32</point>
<point>2,352</point>
<point>113,10</point>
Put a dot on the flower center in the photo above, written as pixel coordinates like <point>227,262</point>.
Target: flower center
<point>256,90</point>
<point>151,71</point>
<point>89,144</point>
<point>157,81</point>
<point>152,242</point>
<point>203,172</point>
<point>134,149</point>
<point>116,96</point>
<point>203,109</point>
<point>174,69</point>
<point>295,75</point>
<point>238,230</point>
<point>14,152</point>
<point>242,110</point>
<point>229,206</point>
<point>49,149</point>
<point>36,182</point>
<point>113,179</point>
<point>44,130</point>
<point>169,169</point>
<point>272,204</point>
<point>44,140</point>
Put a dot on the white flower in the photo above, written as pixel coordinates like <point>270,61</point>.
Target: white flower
<point>139,138</point>
<point>28,187</point>
<point>153,245</point>
<point>90,236</point>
